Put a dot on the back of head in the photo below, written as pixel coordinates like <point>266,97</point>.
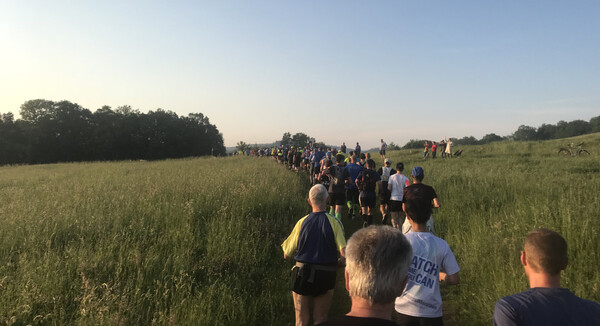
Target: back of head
<point>318,195</point>
<point>546,251</point>
<point>417,173</point>
<point>377,260</point>
<point>417,206</point>
<point>339,158</point>
<point>400,167</point>
<point>371,164</point>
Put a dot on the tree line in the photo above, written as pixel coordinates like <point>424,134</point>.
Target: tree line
<point>562,129</point>
<point>50,132</point>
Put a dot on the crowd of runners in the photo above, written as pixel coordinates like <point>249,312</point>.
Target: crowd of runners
<point>399,265</point>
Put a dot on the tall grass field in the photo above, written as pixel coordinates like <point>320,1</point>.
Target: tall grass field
<point>197,241</point>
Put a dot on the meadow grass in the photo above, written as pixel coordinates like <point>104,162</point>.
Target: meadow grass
<point>185,242</point>
<point>492,196</point>
<point>197,241</point>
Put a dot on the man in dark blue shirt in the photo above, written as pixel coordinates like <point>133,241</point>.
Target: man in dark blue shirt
<point>545,303</point>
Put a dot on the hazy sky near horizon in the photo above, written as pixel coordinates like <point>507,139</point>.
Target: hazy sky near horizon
<point>336,70</point>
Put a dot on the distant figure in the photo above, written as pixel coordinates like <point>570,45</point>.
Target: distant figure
<point>315,242</point>
<point>352,201</point>
<point>424,191</point>
<point>443,148</point>
<point>382,149</point>
<point>433,150</point>
<point>384,194</point>
<point>343,148</point>
<point>396,185</point>
<point>340,178</point>
<point>377,263</point>
<point>449,148</point>
<point>367,182</point>
<point>426,150</point>
<point>545,303</point>
<point>357,149</point>
<point>421,301</point>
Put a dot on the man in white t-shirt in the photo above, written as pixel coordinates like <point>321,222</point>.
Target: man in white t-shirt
<point>396,184</point>
<point>421,301</point>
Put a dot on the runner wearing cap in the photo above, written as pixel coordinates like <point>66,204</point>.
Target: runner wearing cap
<point>422,190</point>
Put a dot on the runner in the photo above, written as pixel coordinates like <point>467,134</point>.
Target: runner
<point>339,176</point>
<point>367,182</point>
<point>384,194</point>
<point>418,187</point>
<point>352,193</point>
<point>357,149</point>
<point>396,185</point>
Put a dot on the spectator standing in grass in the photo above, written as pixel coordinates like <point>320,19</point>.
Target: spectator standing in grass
<point>377,264</point>
<point>357,149</point>
<point>384,194</point>
<point>421,301</point>
<point>315,242</point>
<point>396,185</point>
<point>449,148</point>
<point>343,147</point>
<point>543,257</point>
<point>367,182</point>
<point>382,149</point>
<point>433,150</point>
<point>424,191</point>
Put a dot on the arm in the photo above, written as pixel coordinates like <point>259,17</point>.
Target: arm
<point>436,203</point>
<point>453,279</point>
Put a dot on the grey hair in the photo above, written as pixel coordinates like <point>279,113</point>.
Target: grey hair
<point>377,261</point>
<point>318,195</point>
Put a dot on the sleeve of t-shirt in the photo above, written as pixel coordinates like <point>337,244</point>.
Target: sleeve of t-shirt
<point>504,314</point>
<point>290,245</point>
<point>433,194</point>
<point>449,264</point>
<point>338,232</point>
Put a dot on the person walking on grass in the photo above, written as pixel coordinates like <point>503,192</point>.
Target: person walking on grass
<point>396,185</point>
<point>426,192</point>
<point>314,243</point>
<point>357,149</point>
<point>339,178</point>
<point>543,257</point>
<point>382,149</point>
<point>352,200</point>
<point>426,150</point>
<point>421,301</point>
<point>367,182</point>
<point>377,262</point>
<point>384,194</point>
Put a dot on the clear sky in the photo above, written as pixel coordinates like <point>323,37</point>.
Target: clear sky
<point>335,70</point>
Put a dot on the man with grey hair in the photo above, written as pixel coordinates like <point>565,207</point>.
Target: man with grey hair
<point>377,261</point>
<point>315,242</point>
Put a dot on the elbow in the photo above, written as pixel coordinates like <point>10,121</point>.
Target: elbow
<point>453,279</point>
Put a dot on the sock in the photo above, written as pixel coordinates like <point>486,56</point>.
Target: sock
<point>338,215</point>
<point>349,204</point>
<point>331,211</point>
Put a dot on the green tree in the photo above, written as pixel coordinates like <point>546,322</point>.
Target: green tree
<point>490,138</point>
